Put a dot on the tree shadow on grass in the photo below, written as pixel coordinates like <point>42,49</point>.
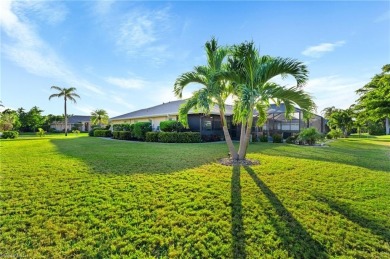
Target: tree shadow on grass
<point>361,154</point>
<point>238,234</point>
<point>355,216</point>
<point>294,237</point>
<point>123,157</point>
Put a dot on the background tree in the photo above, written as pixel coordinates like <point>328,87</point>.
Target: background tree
<point>341,119</point>
<point>375,98</point>
<point>67,94</point>
<point>214,90</point>
<point>34,119</point>
<point>9,120</point>
<point>99,116</point>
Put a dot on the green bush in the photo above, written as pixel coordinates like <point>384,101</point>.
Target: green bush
<point>41,132</point>
<point>152,136</point>
<point>277,138</point>
<point>91,133</point>
<point>115,134</point>
<point>376,129</point>
<point>171,126</point>
<point>76,132</point>
<point>291,139</point>
<point>309,136</point>
<point>334,134</point>
<point>121,127</point>
<point>140,129</point>
<point>10,134</point>
<point>102,133</point>
<point>263,138</point>
<point>179,137</point>
<point>167,137</point>
<point>125,135</point>
<point>189,137</point>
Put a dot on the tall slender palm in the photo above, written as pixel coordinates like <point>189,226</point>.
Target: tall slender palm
<point>251,75</point>
<point>99,116</point>
<point>67,94</point>
<point>214,89</point>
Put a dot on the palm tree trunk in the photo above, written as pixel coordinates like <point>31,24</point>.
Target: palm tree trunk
<point>242,138</point>
<point>245,142</point>
<point>66,118</point>
<point>387,126</point>
<point>228,139</point>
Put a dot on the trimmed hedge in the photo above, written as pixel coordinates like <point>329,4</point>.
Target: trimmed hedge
<point>263,138</point>
<point>10,134</point>
<point>167,137</point>
<point>125,135</point>
<point>140,129</point>
<point>152,136</point>
<point>173,137</point>
<point>102,133</point>
<point>291,139</point>
<point>277,138</point>
<point>115,134</point>
<point>171,126</point>
<point>91,133</point>
<point>121,127</point>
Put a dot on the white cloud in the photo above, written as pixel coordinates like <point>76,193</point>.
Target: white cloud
<point>319,50</point>
<point>334,90</point>
<point>51,12</point>
<point>29,51</point>
<point>127,83</point>
<point>383,17</point>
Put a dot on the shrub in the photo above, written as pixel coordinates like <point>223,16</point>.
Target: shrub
<point>291,139</point>
<point>188,137</point>
<point>334,133</point>
<point>121,127</point>
<point>152,136</point>
<point>41,132</point>
<point>102,133</point>
<point>171,126</point>
<point>309,136</point>
<point>91,133</point>
<point>140,129</point>
<point>211,138</point>
<point>125,135</point>
<point>179,137</point>
<point>76,131</point>
<point>263,138</point>
<point>376,129</point>
<point>167,137</point>
<point>10,134</point>
<point>115,134</point>
<point>277,138</point>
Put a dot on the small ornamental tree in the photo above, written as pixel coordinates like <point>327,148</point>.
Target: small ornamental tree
<point>309,136</point>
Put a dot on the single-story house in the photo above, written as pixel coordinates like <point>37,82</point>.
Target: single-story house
<point>211,124</point>
<point>83,123</point>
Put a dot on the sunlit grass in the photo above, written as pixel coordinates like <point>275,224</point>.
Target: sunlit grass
<point>79,196</point>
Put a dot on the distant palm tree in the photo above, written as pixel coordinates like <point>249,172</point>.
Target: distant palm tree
<point>99,116</point>
<point>68,94</point>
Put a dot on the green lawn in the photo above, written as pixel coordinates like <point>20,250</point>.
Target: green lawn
<point>90,197</point>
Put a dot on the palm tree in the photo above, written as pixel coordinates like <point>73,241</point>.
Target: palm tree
<point>99,116</point>
<point>68,94</point>
<point>214,89</point>
<point>250,74</point>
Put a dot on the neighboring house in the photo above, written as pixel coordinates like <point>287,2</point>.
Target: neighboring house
<point>83,123</point>
<point>211,124</point>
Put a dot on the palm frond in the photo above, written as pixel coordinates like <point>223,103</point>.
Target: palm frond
<point>187,78</point>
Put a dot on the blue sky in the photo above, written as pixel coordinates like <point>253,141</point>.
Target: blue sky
<point>125,55</point>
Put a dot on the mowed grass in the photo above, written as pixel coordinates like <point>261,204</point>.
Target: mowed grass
<point>79,197</point>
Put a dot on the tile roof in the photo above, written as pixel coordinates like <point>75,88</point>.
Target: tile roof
<point>169,108</point>
<point>78,118</point>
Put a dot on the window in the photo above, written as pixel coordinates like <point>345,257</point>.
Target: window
<point>206,124</point>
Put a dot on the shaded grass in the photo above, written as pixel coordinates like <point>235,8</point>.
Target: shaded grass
<point>80,197</point>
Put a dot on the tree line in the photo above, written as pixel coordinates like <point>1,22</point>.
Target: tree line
<point>30,121</point>
<point>371,111</point>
